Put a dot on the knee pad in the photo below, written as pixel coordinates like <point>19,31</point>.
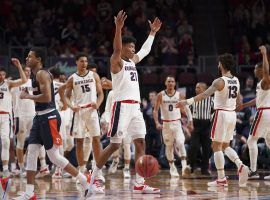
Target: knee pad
<point>127,152</point>
<point>20,140</point>
<point>169,153</point>
<point>32,156</point>
<point>56,158</point>
<point>252,142</point>
<point>5,148</point>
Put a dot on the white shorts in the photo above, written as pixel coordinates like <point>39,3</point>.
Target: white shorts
<point>126,119</point>
<point>85,123</point>
<point>25,124</point>
<point>261,124</point>
<point>5,126</point>
<point>172,131</point>
<point>223,126</point>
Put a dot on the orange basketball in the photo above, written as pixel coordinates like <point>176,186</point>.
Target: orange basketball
<point>147,166</point>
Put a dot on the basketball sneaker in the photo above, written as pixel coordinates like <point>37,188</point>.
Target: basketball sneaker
<point>5,183</point>
<point>126,173</point>
<point>6,174</point>
<point>218,183</point>
<point>267,177</point>
<point>144,189</point>
<point>243,175</point>
<point>173,171</point>
<point>186,172</point>
<point>95,188</point>
<point>253,175</point>
<point>25,196</point>
<point>100,176</point>
<point>113,167</point>
<point>43,172</point>
<point>58,173</point>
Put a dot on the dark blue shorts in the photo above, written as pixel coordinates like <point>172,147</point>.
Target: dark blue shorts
<point>45,130</point>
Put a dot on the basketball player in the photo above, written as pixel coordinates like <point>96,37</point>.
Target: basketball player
<point>24,111</point>
<point>5,129</point>
<point>88,96</point>
<point>46,125</point>
<point>171,127</point>
<point>260,127</point>
<point>226,89</point>
<point>126,114</point>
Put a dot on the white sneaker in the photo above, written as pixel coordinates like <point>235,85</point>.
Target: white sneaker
<point>43,172</point>
<point>100,176</point>
<point>6,174</point>
<point>57,175</point>
<point>113,167</point>
<point>218,183</point>
<point>186,172</point>
<point>126,173</point>
<point>23,174</point>
<point>5,184</point>
<point>142,188</point>
<point>66,175</point>
<point>173,171</point>
<point>267,177</point>
<point>94,189</point>
<point>24,196</point>
<point>243,175</point>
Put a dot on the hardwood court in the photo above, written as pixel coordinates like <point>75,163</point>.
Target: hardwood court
<point>119,188</point>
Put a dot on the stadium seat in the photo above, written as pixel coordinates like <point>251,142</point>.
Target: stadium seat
<point>186,78</point>
<point>205,77</point>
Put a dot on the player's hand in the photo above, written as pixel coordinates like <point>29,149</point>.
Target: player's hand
<point>106,84</point>
<point>263,50</point>
<point>24,94</point>
<point>159,126</point>
<point>119,20</point>
<point>75,108</point>
<point>155,26</point>
<point>190,126</point>
<point>16,62</point>
<point>64,107</point>
<point>181,104</point>
<point>94,105</point>
<point>239,107</point>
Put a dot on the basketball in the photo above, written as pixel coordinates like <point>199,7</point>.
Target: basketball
<point>147,166</point>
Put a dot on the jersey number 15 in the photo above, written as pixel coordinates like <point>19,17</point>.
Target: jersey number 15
<point>85,88</point>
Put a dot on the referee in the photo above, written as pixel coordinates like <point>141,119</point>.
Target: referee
<point>200,136</point>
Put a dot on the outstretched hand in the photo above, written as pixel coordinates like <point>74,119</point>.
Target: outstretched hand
<point>119,20</point>
<point>16,62</point>
<point>155,25</point>
<point>263,49</point>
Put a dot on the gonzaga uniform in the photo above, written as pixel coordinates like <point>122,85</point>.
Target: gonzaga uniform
<point>126,115</point>
<point>224,104</point>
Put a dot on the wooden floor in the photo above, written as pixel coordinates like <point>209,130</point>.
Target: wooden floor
<point>119,188</point>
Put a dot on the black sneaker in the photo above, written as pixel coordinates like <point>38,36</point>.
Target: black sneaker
<point>253,175</point>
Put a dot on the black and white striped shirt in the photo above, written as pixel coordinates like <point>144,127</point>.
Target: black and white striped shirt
<point>202,109</point>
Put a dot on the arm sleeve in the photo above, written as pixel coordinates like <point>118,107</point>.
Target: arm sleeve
<point>146,47</point>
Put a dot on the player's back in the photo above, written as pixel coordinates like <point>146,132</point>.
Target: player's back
<point>226,98</point>
<point>84,89</point>
<point>167,106</point>
<point>125,83</point>
<point>262,97</point>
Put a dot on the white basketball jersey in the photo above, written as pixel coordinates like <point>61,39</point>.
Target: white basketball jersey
<point>262,97</point>
<point>84,89</point>
<point>26,107</point>
<point>5,97</point>
<point>57,99</point>
<point>167,107</point>
<point>125,83</point>
<point>226,98</point>
<point>108,107</point>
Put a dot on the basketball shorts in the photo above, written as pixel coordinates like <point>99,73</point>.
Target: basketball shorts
<point>172,131</point>
<point>126,119</point>
<point>261,124</point>
<point>45,130</point>
<point>223,126</point>
<point>85,123</point>
<point>25,124</point>
<point>5,126</point>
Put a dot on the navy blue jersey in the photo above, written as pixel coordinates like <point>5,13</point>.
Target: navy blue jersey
<point>36,91</point>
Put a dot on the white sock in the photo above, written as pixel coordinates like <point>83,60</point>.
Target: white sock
<point>5,167</point>
<point>253,153</point>
<point>139,179</point>
<point>82,180</point>
<point>219,162</point>
<point>171,164</point>
<point>29,189</point>
<point>232,155</point>
<point>43,163</point>
<point>126,166</point>
<point>184,163</point>
<point>21,165</point>
<point>13,166</point>
<point>96,171</point>
<point>82,168</point>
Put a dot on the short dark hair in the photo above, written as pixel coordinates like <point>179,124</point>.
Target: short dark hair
<point>55,71</point>
<point>2,69</point>
<point>128,39</point>
<point>80,54</point>
<point>92,65</point>
<point>39,53</point>
<point>227,61</point>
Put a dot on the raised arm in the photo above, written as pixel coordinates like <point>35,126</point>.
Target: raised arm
<point>22,80</point>
<point>115,61</point>
<point>156,109</point>
<point>265,80</point>
<point>218,84</point>
<point>100,93</point>
<point>146,47</point>
<point>44,80</point>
